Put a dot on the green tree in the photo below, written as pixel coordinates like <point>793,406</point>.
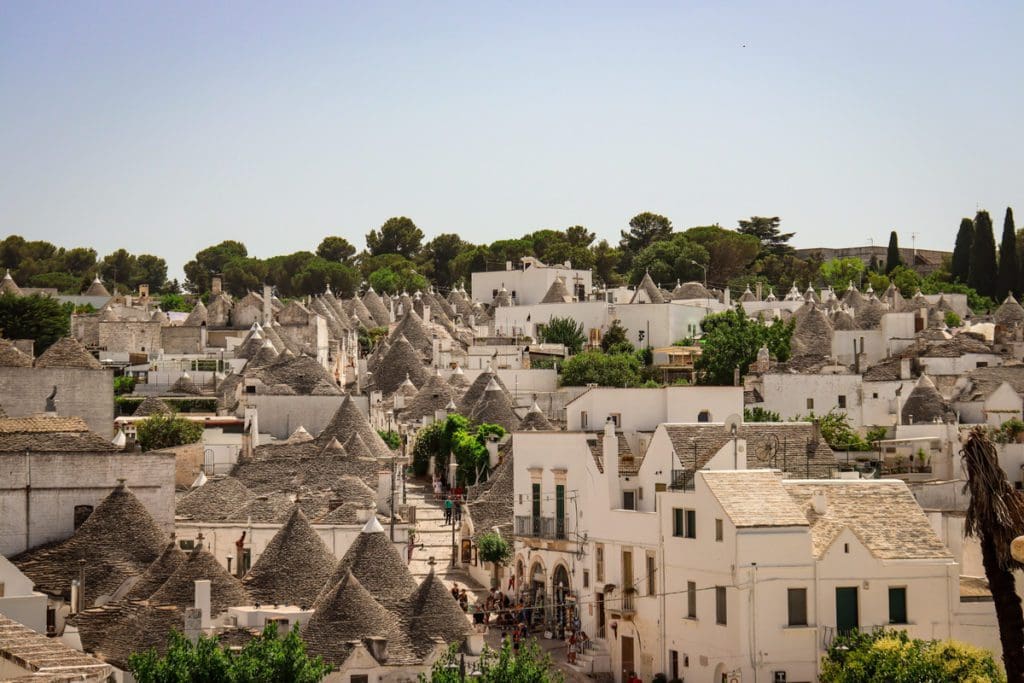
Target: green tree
<point>729,252</point>
<point>398,235</point>
<point>759,414</point>
<point>392,438</point>
<point>768,233</point>
<point>36,317</point>
<point>1009,269</point>
<point>334,248</point>
<point>209,262</point>
<point>606,260</point>
<point>150,270</point>
<point>644,229</point>
<point>889,655</point>
<point>438,256</point>
<point>669,260</point>
<point>166,431</point>
<point>731,340</point>
<point>606,370</point>
<point>319,272</point>
<point>893,259</point>
<point>496,550</point>
<point>837,431</point>
<point>961,266</point>
<point>614,337</point>
<point>563,331</point>
<point>267,658</point>
<point>840,272</point>
<point>530,664</point>
<point>906,280</point>
<point>389,280</point>
<point>983,274</point>
<point>174,302</point>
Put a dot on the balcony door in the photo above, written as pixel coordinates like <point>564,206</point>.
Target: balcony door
<point>847,611</point>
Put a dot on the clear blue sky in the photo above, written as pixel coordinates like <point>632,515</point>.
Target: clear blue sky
<point>168,126</point>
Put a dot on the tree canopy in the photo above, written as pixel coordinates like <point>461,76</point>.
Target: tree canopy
<point>398,235</point>
<point>528,664</point>
<point>731,340</point>
<point>40,318</point>
<point>768,233</point>
<point>603,369</point>
<point>166,431</point>
<point>564,331</point>
<point>892,253</point>
<point>983,273</point>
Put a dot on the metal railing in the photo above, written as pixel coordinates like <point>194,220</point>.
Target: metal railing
<point>682,480</point>
<point>629,600</point>
<point>556,528</point>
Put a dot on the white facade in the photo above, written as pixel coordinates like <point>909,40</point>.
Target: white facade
<point>643,409</point>
<point>18,600</point>
<point>529,285</point>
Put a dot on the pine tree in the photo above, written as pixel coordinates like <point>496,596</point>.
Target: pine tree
<point>961,266</point>
<point>1009,269</point>
<point>983,275</point>
<point>892,256</point>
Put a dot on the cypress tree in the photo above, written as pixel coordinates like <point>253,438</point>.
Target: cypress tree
<point>961,266</point>
<point>892,256</point>
<point>983,275</point>
<point>1009,269</point>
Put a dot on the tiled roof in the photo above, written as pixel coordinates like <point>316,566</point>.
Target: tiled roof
<point>887,370</point>
<point>67,352</point>
<point>42,424</point>
<point>48,659</point>
<point>881,513</point>
<point>979,383</point>
<point>118,540</point>
<point>294,567</point>
<point>753,498</point>
<point>788,446</point>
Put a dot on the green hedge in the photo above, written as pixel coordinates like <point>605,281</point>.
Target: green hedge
<point>126,405</point>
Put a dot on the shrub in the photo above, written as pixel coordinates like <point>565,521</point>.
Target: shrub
<point>167,431</point>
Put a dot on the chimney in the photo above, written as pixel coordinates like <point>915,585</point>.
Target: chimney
<point>384,490</point>
<point>378,647</point>
<point>508,265</point>
<point>363,513</point>
<point>610,455</point>
<point>819,502</point>
<point>492,450</point>
<point>144,291</point>
<point>193,625</point>
<point>856,358</point>
<point>757,292</point>
<point>815,433</point>
<point>215,285</point>
<point>268,309</point>
<point>905,368</point>
<point>736,376</point>
<point>202,603</point>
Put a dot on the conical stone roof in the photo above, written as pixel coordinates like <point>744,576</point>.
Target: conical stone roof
<point>401,361</point>
<point>8,286</point>
<point>158,572</point>
<point>68,352</point>
<point>494,407</point>
<point>197,316</point>
<point>185,385</point>
<point>179,589</point>
<point>1009,313</point>
<point>294,567</point>
<point>96,288</point>
<point>373,559</point>
<point>925,404</point>
<point>12,357</point>
<point>219,496</point>
<point>536,420</point>
<point>476,390</point>
<point>415,332</point>
<point>812,335</point>
<point>347,421</point>
<point>118,540</point>
<point>432,612</point>
<point>651,291</point>
<point>152,405</point>
<point>434,395</point>
<point>557,293</point>
<point>375,306</point>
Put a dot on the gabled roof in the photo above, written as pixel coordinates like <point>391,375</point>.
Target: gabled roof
<point>753,498</point>
<point>179,589</point>
<point>50,434</point>
<point>118,540</point>
<point>881,513</point>
<point>67,352</point>
<point>293,568</point>
<point>47,658</point>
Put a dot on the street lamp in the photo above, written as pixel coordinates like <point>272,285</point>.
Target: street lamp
<point>705,268</point>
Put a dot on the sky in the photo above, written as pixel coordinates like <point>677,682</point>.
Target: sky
<point>167,127</point>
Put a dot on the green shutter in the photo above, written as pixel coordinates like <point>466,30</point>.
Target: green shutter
<point>847,617</point>
<point>897,605</point>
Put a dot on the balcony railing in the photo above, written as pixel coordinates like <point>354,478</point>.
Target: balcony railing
<point>555,528</point>
<point>682,480</point>
<point>629,600</point>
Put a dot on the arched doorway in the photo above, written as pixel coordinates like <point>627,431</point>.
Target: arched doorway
<point>535,592</point>
<point>561,591</point>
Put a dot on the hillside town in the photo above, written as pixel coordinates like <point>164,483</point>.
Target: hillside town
<point>402,475</point>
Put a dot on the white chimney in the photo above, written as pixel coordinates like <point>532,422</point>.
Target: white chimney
<point>819,502</point>
<point>268,309</point>
<point>202,603</point>
<point>508,265</point>
<point>193,625</point>
<point>215,285</point>
<point>363,513</point>
<point>492,450</point>
<point>610,455</point>
<point>904,368</point>
<point>384,490</point>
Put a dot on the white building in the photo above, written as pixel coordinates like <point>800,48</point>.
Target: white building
<point>643,409</point>
<point>530,283</point>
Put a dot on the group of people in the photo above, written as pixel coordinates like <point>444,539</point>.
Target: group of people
<point>461,597</point>
<point>453,499</point>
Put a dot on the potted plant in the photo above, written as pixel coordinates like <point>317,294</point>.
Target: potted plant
<point>491,547</point>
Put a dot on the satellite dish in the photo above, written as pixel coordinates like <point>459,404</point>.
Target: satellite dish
<point>732,423</point>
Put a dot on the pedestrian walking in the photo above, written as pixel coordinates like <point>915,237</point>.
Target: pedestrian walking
<point>448,510</point>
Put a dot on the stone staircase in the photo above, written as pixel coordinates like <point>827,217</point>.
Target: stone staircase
<point>596,660</point>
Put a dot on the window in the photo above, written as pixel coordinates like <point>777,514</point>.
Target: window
<point>359,678</point>
<point>616,419</point>
<point>583,419</point>
<point>691,600</point>
<point>627,571</point>
<point>629,500</point>
<point>1,589</point>
<point>82,513</point>
<point>652,575</point>
<point>684,523</point>
<point>599,561</point>
<point>841,401</point>
<point>187,544</point>
<point>721,613</point>
<point>797,598</point>
<point>704,416</point>
<point>810,404</point>
<point>586,578</point>
<point>846,548</point>
<point>719,531</point>
<point>874,394</point>
<point>673,664</point>
<point>897,605</point>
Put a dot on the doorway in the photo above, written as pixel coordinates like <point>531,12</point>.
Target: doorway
<point>627,658</point>
<point>600,615</point>
<point>847,613</point>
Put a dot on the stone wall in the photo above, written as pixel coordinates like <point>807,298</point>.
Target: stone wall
<point>182,340</point>
<point>129,337</point>
<point>39,491</point>
<point>81,392</point>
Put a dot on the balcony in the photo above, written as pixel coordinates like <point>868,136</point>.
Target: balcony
<point>629,601</point>
<point>552,528</point>
<point>682,480</point>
